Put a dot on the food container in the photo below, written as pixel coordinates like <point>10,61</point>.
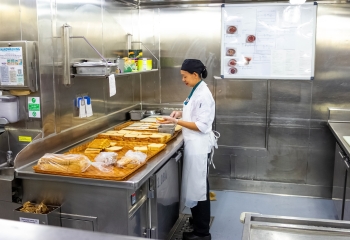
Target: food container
<point>135,53</point>
<point>166,128</point>
<point>144,64</point>
<point>137,114</point>
<point>129,65</point>
<point>95,68</point>
<point>53,217</point>
<point>9,108</point>
<point>152,112</point>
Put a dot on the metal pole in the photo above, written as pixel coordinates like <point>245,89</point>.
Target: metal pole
<point>66,54</point>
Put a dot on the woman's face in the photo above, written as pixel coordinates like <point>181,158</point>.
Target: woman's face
<point>190,79</point>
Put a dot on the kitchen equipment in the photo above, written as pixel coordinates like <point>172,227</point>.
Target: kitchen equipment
<point>137,114</point>
<point>167,128</point>
<point>151,112</point>
<point>9,108</point>
<point>95,68</point>
<point>19,65</point>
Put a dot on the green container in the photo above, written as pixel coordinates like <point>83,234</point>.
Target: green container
<point>137,53</point>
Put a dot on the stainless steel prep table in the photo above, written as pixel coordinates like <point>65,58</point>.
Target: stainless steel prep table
<point>121,207</point>
<point>341,129</point>
<point>258,226</point>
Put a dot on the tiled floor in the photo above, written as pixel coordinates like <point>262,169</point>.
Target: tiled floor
<point>229,205</point>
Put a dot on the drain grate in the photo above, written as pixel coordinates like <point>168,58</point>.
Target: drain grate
<point>182,225</point>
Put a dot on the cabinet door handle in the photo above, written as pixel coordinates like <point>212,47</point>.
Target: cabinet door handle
<point>341,154</point>
<point>346,163</point>
<point>178,156</point>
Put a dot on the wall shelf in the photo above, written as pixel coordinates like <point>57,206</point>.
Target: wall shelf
<point>106,76</point>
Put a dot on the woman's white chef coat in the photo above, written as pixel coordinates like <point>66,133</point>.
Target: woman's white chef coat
<point>201,110</point>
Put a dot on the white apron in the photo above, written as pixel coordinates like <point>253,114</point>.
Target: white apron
<point>194,173</point>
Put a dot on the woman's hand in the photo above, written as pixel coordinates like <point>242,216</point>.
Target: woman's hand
<point>168,120</point>
<point>176,114</point>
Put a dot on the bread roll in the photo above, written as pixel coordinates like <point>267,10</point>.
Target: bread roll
<point>113,149</point>
<point>160,119</point>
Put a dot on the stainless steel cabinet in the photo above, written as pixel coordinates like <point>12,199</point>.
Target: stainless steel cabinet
<point>165,202</point>
<point>341,183</point>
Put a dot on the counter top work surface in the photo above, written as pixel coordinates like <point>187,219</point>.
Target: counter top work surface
<point>339,130</point>
<point>132,182</point>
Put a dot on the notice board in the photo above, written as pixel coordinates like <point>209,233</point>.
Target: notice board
<point>268,41</point>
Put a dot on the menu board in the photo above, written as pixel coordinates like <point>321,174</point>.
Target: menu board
<point>268,41</point>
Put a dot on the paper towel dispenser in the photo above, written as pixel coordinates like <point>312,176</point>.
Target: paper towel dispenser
<point>18,65</point>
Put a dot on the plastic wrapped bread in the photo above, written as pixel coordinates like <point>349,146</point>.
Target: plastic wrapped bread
<point>74,163</point>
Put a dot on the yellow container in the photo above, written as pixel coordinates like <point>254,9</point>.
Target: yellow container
<point>144,64</point>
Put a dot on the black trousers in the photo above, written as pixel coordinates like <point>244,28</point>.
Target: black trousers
<point>201,216</point>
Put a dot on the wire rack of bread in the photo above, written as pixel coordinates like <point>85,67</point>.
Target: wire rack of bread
<point>130,137</point>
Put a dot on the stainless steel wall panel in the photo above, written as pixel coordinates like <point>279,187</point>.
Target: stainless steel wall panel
<point>85,20</point>
<point>150,37</point>
<point>241,112</point>
<point>181,39</point>
<point>331,85</point>
<point>248,135</point>
<point>321,157</point>
<point>118,21</point>
<point>284,136</point>
<point>128,92</point>
<point>284,164</point>
<point>222,161</point>
<point>150,87</point>
<point>290,103</point>
<point>46,65</point>
<point>10,20</point>
<point>29,20</point>
<point>270,187</point>
<point>245,167</point>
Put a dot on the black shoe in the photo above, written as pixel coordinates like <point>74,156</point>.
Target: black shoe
<point>192,236</point>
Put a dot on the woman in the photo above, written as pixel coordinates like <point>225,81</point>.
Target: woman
<point>197,119</point>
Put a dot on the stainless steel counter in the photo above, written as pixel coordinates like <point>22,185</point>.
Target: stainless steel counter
<point>12,230</point>
<point>133,182</point>
<point>341,129</point>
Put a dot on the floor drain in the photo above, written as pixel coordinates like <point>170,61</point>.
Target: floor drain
<point>182,225</point>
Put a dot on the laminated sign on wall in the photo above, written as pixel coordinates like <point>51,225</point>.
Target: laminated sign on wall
<point>11,66</point>
<point>268,41</point>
